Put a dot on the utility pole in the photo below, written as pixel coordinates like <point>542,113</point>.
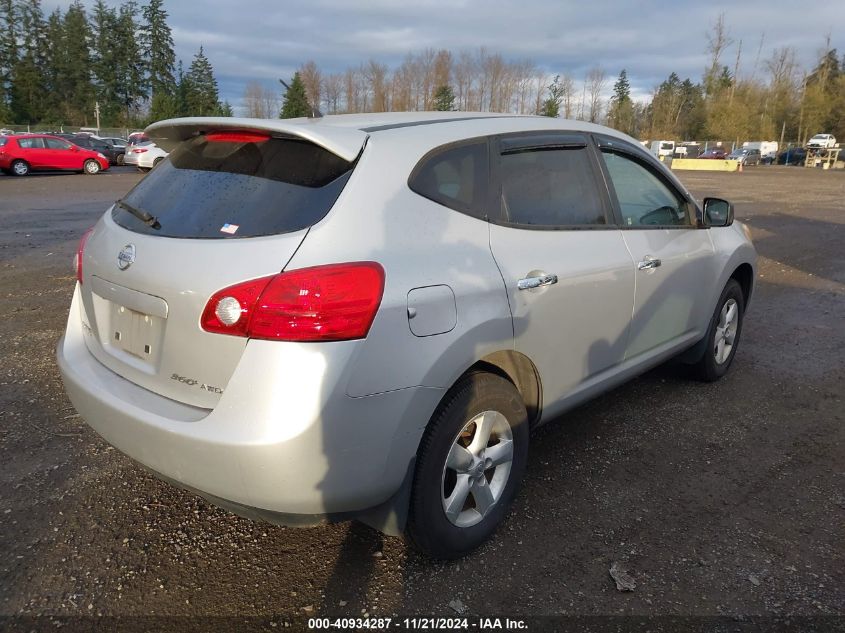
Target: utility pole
<point>97,114</point>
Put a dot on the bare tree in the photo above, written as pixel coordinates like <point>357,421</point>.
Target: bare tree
<point>442,69</point>
<point>595,83</point>
<point>333,86</point>
<point>717,41</point>
<point>376,75</point>
<point>312,79</point>
<point>464,72</point>
<point>260,101</point>
<point>567,97</point>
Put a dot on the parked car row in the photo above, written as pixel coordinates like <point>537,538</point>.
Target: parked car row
<point>21,153</point>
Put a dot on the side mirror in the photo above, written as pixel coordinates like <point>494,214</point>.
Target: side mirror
<point>718,212</point>
<point>74,148</point>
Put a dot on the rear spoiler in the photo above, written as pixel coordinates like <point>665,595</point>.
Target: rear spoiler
<point>342,141</point>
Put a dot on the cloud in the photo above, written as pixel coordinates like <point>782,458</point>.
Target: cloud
<point>265,39</point>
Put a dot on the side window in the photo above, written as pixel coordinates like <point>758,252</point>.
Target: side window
<point>455,177</point>
<point>551,186</point>
<point>31,143</point>
<point>643,198</point>
<point>54,143</point>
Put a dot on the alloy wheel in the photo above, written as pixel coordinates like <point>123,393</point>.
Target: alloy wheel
<point>477,469</point>
<point>726,329</point>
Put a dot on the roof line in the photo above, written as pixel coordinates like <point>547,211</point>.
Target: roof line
<point>393,126</point>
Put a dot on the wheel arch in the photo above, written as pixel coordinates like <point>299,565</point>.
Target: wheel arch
<point>744,275</point>
<point>519,370</point>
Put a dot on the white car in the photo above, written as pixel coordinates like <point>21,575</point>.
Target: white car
<point>362,316</point>
<point>822,141</point>
<point>144,156</point>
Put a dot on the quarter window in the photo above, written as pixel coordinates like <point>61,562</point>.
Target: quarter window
<point>455,177</point>
<point>644,199</point>
<point>31,143</point>
<point>550,187</point>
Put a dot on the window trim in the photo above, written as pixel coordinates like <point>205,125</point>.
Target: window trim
<point>503,144</point>
<point>647,162</point>
<point>479,210</point>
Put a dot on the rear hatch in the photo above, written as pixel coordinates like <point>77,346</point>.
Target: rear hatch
<point>228,205</point>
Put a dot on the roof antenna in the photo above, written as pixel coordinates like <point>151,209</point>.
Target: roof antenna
<point>314,111</point>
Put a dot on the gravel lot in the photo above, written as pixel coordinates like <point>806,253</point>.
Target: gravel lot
<point>723,499</point>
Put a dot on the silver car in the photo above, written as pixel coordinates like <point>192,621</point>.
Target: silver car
<point>364,316</point>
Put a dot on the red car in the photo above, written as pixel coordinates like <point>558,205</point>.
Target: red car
<point>22,153</point>
<point>716,153</point>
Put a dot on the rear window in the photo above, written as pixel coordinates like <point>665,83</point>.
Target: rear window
<point>231,189</point>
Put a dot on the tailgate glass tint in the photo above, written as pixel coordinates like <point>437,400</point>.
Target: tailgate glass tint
<point>225,189</point>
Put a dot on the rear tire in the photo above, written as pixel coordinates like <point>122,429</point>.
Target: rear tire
<point>20,168</point>
<point>469,466</point>
<point>723,334</point>
<point>120,160</point>
<point>91,167</point>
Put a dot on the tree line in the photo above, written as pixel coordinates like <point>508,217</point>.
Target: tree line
<point>118,62</point>
<point>55,68</point>
<point>773,98</point>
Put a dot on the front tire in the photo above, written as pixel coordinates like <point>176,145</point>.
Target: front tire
<point>723,334</point>
<point>20,168</point>
<point>91,167</point>
<point>469,466</point>
<point>120,160</point>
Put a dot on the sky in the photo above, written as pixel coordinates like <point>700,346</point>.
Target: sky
<point>265,39</point>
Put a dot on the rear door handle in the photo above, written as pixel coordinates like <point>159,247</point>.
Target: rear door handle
<point>536,282</point>
<point>648,263</point>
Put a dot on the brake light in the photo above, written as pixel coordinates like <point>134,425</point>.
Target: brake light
<point>80,251</point>
<point>139,150</point>
<point>337,302</point>
<point>236,137</point>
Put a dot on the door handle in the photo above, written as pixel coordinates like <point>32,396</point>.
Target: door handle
<point>536,282</point>
<point>648,263</point>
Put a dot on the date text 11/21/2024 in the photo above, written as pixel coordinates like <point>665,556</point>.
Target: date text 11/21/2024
<point>418,624</point>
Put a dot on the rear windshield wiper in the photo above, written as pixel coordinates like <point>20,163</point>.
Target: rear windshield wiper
<point>145,216</point>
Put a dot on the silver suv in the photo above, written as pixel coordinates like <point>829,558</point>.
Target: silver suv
<point>364,316</point>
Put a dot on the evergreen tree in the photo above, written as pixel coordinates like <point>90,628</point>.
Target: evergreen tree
<point>551,106</point>
<point>444,98</point>
<point>105,49</point>
<point>620,115</point>
<point>51,53</point>
<point>295,102</point>
<point>201,96</point>
<point>9,24</point>
<point>160,58</point>
<point>225,109</point>
<point>30,95</point>
<point>693,113</point>
<point>129,71</point>
<point>72,66</point>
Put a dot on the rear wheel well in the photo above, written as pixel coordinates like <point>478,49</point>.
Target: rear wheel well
<point>519,370</point>
<point>744,275</point>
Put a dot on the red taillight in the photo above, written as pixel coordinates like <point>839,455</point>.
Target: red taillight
<point>139,150</point>
<point>337,302</point>
<point>236,137</point>
<point>80,251</point>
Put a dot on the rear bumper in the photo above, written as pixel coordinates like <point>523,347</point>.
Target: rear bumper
<point>284,437</point>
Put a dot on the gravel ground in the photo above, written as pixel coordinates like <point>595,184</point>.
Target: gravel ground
<point>722,499</point>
